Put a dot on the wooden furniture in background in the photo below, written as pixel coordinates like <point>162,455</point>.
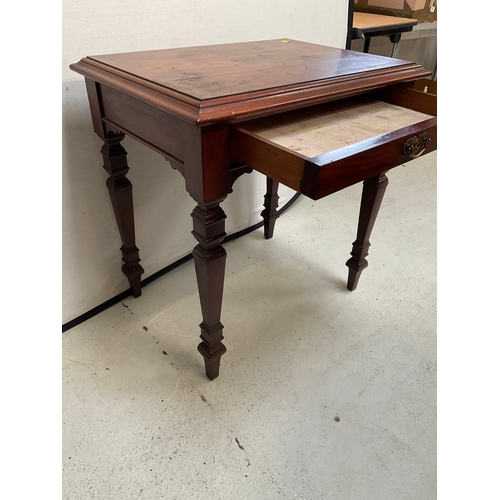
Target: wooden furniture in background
<point>366,26</point>
<point>216,112</point>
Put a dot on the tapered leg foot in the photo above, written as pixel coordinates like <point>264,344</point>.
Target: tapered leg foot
<point>371,199</point>
<point>210,262</point>
<point>270,212</point>
<point>132,269</point>
<point>120,193</point>
<point>355,269</point>
<point>212,351</point>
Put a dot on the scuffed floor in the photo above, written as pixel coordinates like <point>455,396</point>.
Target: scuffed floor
<point>323,393</point>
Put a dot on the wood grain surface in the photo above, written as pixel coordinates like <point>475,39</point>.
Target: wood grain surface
<point>214,71</point>
<point>331,127</point>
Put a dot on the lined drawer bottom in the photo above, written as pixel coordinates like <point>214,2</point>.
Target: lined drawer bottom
<point>325,148</point>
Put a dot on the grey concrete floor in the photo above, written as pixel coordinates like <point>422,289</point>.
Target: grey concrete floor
<point>323,393</point>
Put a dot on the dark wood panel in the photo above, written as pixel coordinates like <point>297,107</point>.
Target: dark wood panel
<point>143,122</point>
<point>332,172</point>
<point>95,108</point>
<point>207,162</point>
<point>268,158</point>
<point>409,98</point>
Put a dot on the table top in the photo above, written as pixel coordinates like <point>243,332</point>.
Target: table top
<point>219,82</point>
<point>365,21</point>
<point>214,71</point>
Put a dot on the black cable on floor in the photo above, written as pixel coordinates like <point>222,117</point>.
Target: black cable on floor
<point>122,296</point>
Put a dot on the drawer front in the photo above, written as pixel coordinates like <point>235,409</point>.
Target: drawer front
<point>320,150</point>
<point>340,169</point>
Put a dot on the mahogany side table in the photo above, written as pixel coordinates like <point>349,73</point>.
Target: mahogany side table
<point>315,118</point>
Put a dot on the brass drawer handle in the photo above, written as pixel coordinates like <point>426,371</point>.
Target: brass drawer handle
<point>415,146</point>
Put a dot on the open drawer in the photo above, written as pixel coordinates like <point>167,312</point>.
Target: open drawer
<point>322,149</point>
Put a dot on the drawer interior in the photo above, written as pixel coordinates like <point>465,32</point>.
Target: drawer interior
<point>315,131</point>
<point>324,148</point>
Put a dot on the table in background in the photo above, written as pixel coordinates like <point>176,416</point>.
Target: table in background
<point>366,26</point>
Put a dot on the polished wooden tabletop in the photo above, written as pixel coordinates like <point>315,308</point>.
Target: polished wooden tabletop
<point>213,83</point>
<point>214,71</point>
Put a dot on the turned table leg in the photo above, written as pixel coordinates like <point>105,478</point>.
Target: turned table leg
<point>270,212</point>
<point>371,199</point>
<point>120,192</point>
<point>210,262</point>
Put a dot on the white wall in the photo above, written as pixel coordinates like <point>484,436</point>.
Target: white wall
<point>90,251</point>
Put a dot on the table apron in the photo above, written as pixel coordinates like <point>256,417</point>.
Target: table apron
<point>155,128</point>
